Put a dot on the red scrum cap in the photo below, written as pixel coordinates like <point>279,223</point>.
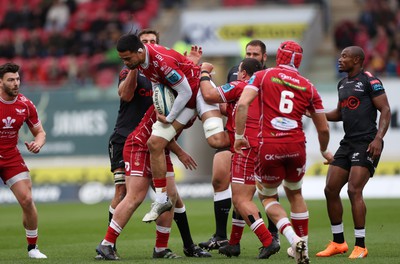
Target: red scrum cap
<point>289,53</point>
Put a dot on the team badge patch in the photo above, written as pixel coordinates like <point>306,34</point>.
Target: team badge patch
<point>377,87</point>
<point>173,77</point>
<point>252,79</point>
<point>227,87</point>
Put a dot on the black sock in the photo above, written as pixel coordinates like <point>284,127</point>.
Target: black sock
<point>271,226</point>
<point>110,216</point>
<point>31,246</point>
<point>360,242</point>
<point>221,213</point>
<point>338,238</point>
<point>183,226</point>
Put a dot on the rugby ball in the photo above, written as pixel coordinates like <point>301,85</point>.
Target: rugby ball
<point>163,98</point>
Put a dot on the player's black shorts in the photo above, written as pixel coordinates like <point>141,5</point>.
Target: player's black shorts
<point>115,151</point>
<point>222,149</point>
<point>354,153</point>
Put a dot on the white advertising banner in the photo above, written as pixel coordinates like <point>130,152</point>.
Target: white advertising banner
<point>220,31</point>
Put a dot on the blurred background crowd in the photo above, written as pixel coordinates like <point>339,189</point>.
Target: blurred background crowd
<point>71,43</point>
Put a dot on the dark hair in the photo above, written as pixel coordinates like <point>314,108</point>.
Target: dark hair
<point>251,65</point>
<point>356,51</point>
<point>8,67</point>
<point>150,31</point>
<point>259,43</point>
<point>129,42</point>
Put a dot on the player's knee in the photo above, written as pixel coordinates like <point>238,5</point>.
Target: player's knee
<point>220,184</point>
<point>155,144</point>
<point>212,126</point>
<point>26,201</point>
<point>330,192</point>
<point>353,192</point>
<point>266,191</point>
<point>293,186</point>
<point>163,131</point>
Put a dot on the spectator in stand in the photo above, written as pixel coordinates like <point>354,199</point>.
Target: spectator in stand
<point>57,16</point>
<point>11,18</point>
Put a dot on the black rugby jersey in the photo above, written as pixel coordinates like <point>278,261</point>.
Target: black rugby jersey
<point>130,113</point>
<point>358,111</point>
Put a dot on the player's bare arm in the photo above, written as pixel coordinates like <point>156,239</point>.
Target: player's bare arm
<point>247,97</point>
<point>184,157</point>
<point>381,103</point>
<point>40,139</point>
<point>210,94</point>
<point>127,87</point>
<point>322,126</point>
<point>335,114</point>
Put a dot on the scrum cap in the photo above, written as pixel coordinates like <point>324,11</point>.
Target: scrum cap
<point>289,53</point>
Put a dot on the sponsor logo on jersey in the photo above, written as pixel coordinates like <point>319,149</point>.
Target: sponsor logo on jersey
<point>283,123</point>
<point>288,78</point>
<point>351,103</point>
<point>20,111</point>
<point>8,121</point>
<point>286,83</point>
<point>159,57</point>
<point>165,68</point>
<point>173,77</point>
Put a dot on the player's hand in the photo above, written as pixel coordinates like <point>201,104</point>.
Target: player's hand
<point>187,161</point>
<point>206,66</point>
<point>375,148</point>
<point>195,54</point>
<point>241,144</point>
<point>33,147</point>
<point>328,156</point>
<point>161,118</point>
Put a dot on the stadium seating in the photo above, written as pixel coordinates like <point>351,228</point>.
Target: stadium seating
<point>79,48</point>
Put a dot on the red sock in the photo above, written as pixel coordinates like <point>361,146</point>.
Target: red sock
<point>111,235</point>
<point>31,240</point>
<point>237,231</point>
<point>160,183</point>
<point>300,223</point>
<point>31,236</point>
<point>262,232</point>
<point>162,239</point>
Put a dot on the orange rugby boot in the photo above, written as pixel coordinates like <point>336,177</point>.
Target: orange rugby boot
<point>358,252</point>
<point>333,249</point>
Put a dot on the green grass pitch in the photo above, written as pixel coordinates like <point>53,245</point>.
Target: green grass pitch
<point>69,233</point>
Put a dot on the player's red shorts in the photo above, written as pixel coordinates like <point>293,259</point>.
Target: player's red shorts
<point>278,162</point>
<point>242,169</point>
<point>11,167</point>
<point>137,161</point>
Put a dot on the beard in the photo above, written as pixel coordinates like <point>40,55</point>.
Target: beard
<point>11,92</point>
<point>133,66</point>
